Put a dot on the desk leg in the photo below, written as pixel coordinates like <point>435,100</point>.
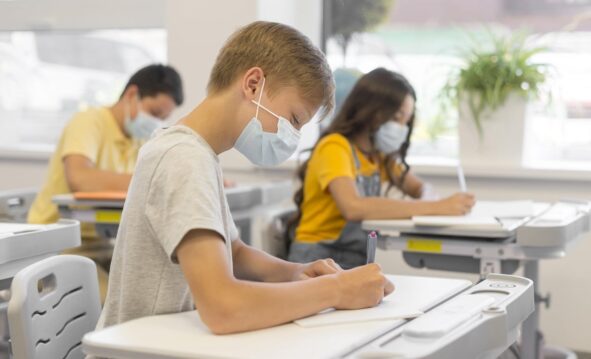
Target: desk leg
<point>488,266</point>
<point>530,340</point>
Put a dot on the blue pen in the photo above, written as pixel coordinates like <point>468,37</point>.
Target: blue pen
<point>372,243</point>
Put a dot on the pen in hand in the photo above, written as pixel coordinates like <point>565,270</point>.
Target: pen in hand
<point>462,179</point>
<point>372,243</point>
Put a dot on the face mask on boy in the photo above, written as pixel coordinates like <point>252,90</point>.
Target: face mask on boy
<point>142,126</point>
<point>267,148</point>
<point>390,137</point>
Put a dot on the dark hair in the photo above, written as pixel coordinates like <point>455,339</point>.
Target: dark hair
<point>154,79</point>
<point>373,101</point>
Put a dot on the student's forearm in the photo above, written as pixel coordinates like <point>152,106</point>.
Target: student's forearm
<point>252,264</point>
<point>413,186</point>
<point>243,305</point>
<point>98,180</point>
<point>366,208</point>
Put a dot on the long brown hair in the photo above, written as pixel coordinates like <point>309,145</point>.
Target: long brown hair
<point>373,101</point>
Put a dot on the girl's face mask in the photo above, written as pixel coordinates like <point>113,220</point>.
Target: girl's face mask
<point>390,137</point>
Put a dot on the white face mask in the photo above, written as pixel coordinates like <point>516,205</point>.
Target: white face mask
<point>390,137</point>
<point>142,126</point>
<point>267,148</point>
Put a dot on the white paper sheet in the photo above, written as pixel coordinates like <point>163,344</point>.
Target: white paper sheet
<point>484,215</point>
<point>387,310</point>
<point>504,209</point>
<point>457,221</point>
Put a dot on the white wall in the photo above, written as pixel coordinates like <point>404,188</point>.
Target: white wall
<point>196,30</point>
<point>19,173</point>
<point>80,14</point>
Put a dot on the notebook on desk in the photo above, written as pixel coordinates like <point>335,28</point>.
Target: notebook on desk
<point>486,215</point>
<point>101,195</point>
<point>488,220</point>
<point>504,209</point>
<point>469,221</point>
<point>387,310</point>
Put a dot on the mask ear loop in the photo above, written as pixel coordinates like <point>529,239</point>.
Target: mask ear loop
<point>259,105</point>
<point>260,97</point>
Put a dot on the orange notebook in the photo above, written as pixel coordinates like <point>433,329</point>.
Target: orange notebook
<point>101,196</point>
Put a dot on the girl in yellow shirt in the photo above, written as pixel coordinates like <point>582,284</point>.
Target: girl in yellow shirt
<point>364,147</point>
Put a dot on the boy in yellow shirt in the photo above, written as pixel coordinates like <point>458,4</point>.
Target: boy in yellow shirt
<point>98,147</point>
<point>178,248</point>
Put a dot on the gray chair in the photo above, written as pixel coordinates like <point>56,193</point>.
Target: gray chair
<point>15,204</point>
<point>275,242</point>
<point>53,303</point>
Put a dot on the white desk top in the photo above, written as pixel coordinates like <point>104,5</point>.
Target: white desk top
<point>183,335</point>
<point>239,197</point>
<point>23,244</point>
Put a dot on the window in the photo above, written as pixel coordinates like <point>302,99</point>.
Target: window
<point>47,76</point>
<point>422,39</point>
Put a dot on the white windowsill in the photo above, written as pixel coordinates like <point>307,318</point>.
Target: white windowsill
<point>28,154</point>
<point>438,167</point>
<point>422,166</point>
<point>537,172</point>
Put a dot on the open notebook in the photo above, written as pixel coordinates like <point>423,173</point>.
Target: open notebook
<point>504,209</point>
<point>386,310</point>
<point>484,215</point>
<point>409,299</point>
<point>101,195</point>
<point>468,221</point>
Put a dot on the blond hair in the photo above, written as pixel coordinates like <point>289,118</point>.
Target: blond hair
<point>286,56</point>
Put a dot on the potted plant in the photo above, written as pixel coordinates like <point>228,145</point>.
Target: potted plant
<point>491,90</point>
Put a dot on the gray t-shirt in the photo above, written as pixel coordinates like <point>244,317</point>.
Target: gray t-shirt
<point>177,186</point>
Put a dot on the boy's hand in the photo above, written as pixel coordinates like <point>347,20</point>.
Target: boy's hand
<point>316,269</point>
<point>229,183</point>
<point>362,287</point>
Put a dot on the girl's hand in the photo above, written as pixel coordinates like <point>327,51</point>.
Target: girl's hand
<point>458,204</point>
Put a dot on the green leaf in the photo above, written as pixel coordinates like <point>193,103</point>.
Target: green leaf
<point>490,73</point>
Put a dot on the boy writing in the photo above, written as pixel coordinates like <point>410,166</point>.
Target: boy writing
<point>177,245</point>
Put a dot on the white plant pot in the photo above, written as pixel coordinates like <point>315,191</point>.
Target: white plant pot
<point>503,130</point>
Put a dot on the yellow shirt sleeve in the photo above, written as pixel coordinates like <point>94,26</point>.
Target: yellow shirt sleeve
<point>334,159</point>
<point>82,136</point>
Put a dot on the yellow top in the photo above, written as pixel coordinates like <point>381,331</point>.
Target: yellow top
<point>95,134</point>
<point>332,158</point>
